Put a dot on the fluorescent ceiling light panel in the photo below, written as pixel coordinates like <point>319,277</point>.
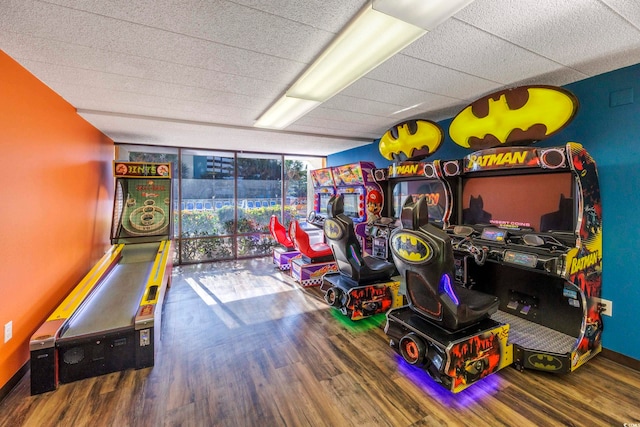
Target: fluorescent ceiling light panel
<point>426,14</point>
<point>285,111</point>
<point>369,40</point>
<point>379,31</point>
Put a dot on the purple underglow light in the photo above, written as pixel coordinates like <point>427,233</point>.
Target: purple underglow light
<point>470,397</point>
<point>445,285</point>
<point>354,254</point>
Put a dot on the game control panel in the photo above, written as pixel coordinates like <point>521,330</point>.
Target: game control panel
<point>523,248</point>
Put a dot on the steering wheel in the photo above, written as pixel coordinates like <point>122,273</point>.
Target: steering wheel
<point>479,253</point>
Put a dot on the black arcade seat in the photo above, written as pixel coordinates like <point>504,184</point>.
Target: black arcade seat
<point>340,233</point>
<point>424,256</point>
<point>311,253</point>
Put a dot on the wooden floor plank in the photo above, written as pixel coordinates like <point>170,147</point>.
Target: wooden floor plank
<point>244,345</point>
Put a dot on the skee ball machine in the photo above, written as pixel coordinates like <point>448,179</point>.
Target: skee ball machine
<point>529,236</point>
<point>111,320</point>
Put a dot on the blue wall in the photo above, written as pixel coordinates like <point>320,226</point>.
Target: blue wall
<point>608,125</point>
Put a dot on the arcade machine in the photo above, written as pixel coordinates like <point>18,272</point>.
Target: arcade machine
<point>283,254</point>
<point>315,259</point>
<point>323,189</point>
<point>351,289</point>
<point>518,281</point>
<point>111,320</point>
<point>411,175</point>
<point>363,285</point>
<point>362,197</point>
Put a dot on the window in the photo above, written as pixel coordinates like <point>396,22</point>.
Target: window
<point>223,200</point>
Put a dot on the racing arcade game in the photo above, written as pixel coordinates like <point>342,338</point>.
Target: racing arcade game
<point>323,189</point>
<point>412,180</point>
<point>362,197</point>
<point>283,254</point>
<point>363,285</point>
<point>412,176</point>
<point>314,260</point>
<point>539,230</point>
<point>529,233</point>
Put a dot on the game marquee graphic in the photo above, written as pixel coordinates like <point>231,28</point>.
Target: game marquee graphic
<point>137,170</point>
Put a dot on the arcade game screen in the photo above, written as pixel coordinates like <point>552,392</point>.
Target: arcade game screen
<point>351,204</point>
<point>542,202</point>
<point>433,190</point>
<point>324,202</point>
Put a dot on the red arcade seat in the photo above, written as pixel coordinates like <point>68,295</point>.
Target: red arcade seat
<point>313,253</point>
<point>280,233</point>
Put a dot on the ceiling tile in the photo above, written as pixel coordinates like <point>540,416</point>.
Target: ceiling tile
<point>568,32</point>
<point>199,72</point>
<point>418,74</point>
<point>462,47</point>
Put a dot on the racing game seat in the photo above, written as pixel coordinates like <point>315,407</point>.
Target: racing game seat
<point>279,233</point>
<point>340,233</point>
<point>311,253</point>
<point>424,257</point>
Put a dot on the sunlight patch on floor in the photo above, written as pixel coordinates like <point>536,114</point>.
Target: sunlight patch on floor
<point>201,292</point>
<point>241,297</point>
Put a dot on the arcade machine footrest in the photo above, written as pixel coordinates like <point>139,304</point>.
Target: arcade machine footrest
<point>454,359</point>
<point>282,258</point>
<point>358,301</point>
<point>539,347</point>
<point>311,274</point>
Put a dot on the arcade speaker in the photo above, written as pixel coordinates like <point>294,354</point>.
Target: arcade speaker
<point>451,168</point>
<point>552,158</point>
<point>380,174</point>
<point>430,171</point>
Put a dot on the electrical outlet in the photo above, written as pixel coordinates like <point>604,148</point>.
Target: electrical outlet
<point>607,306</point>
<point>8,331</point>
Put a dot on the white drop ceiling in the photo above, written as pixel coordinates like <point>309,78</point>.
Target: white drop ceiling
<point>198,73</point>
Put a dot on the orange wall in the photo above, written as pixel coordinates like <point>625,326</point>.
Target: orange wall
<point>56,190</point>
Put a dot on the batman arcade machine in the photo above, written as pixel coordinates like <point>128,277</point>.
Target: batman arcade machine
<point>529,235</point>
<point>363,285</point>
<point>408,144</point>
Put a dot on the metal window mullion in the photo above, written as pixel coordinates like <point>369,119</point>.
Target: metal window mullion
<point>180,206</point>
<point>234,240</point>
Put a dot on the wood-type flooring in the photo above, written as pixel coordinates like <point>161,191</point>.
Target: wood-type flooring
<point>243,345</point>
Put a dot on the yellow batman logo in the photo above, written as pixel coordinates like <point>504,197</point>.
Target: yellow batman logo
<point>332,230</point>
<point>411,139</point>
<point>410,247</point>
<point>515,116</point>
<point>545,362</point>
